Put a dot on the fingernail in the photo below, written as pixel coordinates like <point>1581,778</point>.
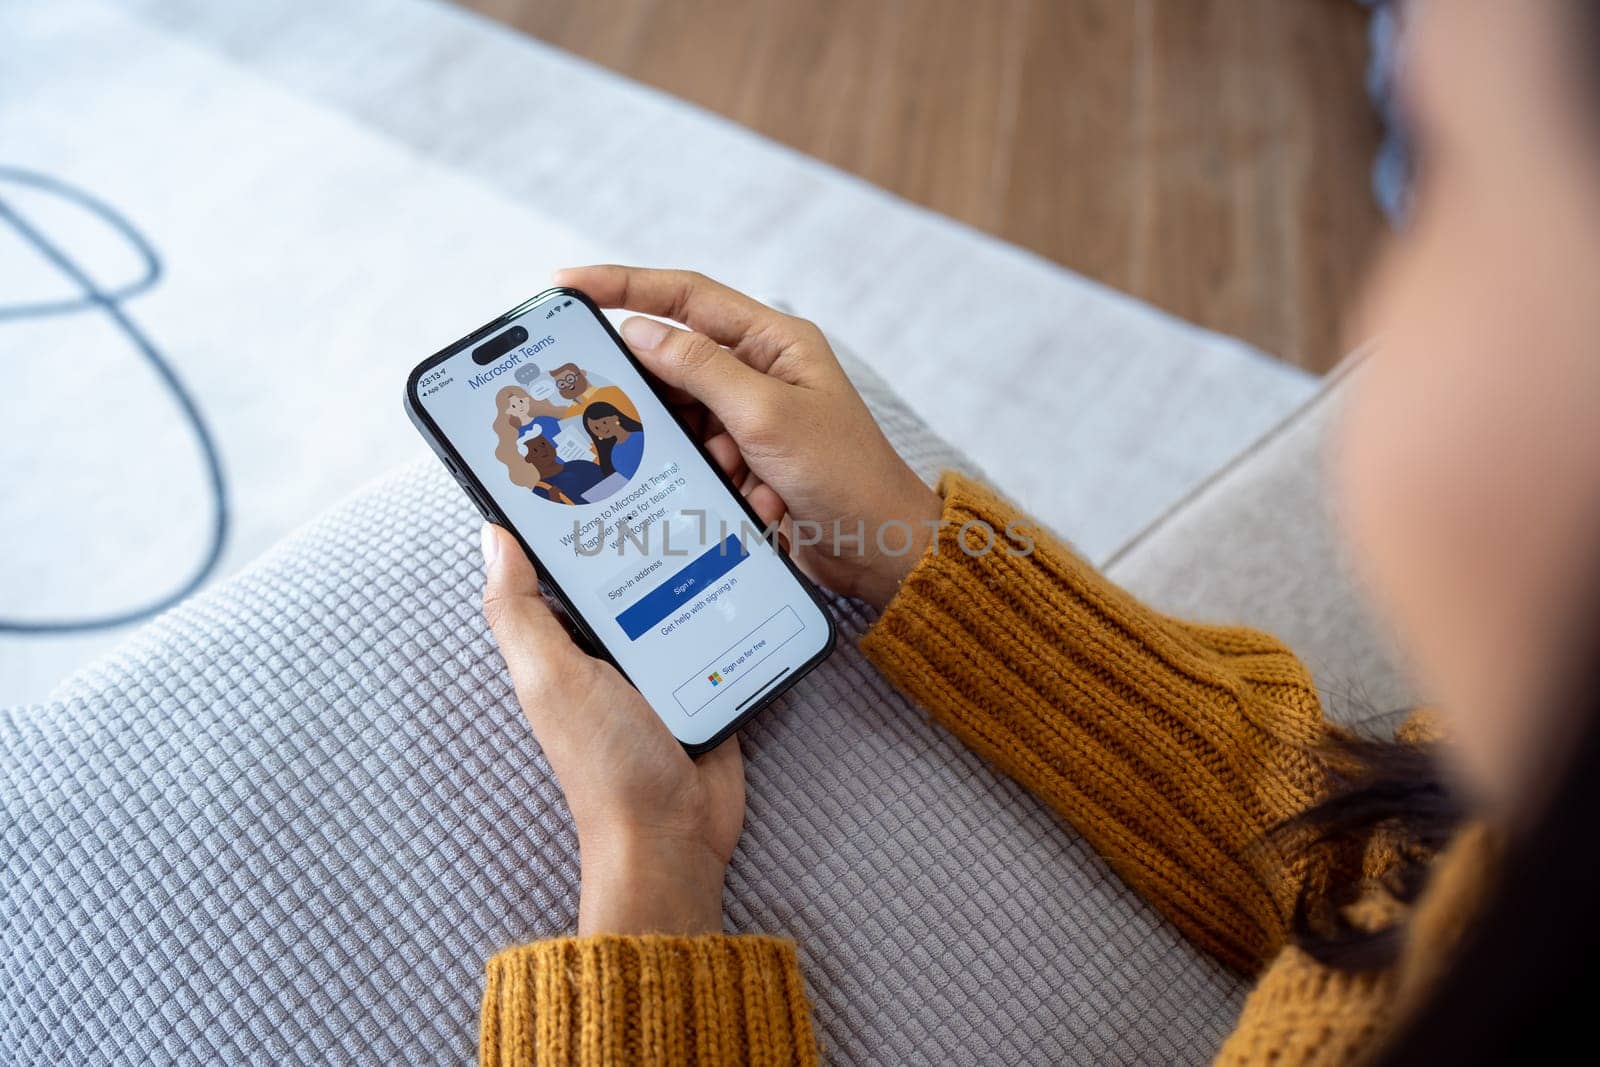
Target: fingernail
<point>491,546</point>
<point>643,334</point>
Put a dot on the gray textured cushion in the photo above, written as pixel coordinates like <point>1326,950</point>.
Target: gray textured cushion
<point>289,821</point>
<point>1259,544</point>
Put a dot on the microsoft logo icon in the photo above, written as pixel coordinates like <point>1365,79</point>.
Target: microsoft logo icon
<point>715,678</point>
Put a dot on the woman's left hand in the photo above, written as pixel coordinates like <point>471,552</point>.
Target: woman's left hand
<point>655,828</point>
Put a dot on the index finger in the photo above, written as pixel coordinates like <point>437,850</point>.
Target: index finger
<point>725,315</point>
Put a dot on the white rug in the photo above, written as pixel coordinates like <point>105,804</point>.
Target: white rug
<point>335,190</point>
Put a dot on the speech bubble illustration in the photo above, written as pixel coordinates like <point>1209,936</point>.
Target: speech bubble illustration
<point>527,373</point>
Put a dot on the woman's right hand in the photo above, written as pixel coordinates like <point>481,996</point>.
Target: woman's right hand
<point>777,413</point>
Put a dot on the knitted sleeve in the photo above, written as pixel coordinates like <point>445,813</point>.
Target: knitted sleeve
<point>712,999</point>
<point>1172,747</point>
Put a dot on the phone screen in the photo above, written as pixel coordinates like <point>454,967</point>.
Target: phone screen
<point>644,541</point>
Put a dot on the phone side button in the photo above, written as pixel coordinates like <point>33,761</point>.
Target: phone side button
<point>478,501</point>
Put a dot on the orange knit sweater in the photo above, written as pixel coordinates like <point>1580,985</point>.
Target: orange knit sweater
<point>1171,746</point>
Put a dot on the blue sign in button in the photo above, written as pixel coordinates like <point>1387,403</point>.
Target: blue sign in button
<point>695,578</point>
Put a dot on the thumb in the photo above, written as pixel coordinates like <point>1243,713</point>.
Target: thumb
<point>543,661</point>
<point>734,391</point>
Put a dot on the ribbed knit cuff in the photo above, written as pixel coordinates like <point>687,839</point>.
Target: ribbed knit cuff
<point>1171,746</point>
<point>712,999</point>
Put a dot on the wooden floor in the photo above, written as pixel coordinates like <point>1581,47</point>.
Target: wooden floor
<point>1210,156</point>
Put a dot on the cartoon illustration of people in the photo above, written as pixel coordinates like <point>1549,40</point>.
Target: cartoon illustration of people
<point>574,385</point>
<point>618,438</point>
<point>517,414</point>
<point>575,454</point>
<point>562,482</point>
<point>524,413</point>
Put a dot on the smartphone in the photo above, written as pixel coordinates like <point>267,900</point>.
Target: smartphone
<point>556,433</point>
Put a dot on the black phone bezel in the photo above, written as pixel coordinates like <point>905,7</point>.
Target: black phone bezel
<point>484,501</point>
